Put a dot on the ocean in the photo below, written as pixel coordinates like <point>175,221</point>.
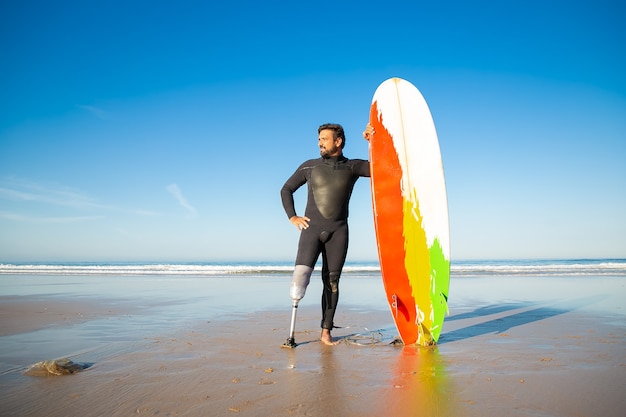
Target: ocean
<point>474,268</point>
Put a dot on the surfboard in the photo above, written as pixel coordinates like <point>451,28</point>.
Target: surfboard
<point>410,211</point>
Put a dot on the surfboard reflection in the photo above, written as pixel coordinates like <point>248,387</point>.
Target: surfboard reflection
<point>419,384</point>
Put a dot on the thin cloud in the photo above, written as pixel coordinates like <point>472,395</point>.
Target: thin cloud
<point>175,191</point>
<point>36,219</point>
<point>19,190</point>
<point>96,111</point>
<point>147,213</point>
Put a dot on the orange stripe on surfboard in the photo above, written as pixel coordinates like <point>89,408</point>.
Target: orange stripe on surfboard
<point>391,240</point>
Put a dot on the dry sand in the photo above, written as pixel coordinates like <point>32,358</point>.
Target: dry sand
<point>495,358</point>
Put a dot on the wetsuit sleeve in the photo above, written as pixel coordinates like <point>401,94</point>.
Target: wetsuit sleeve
<point>286,193</point>
<point>363,168</point>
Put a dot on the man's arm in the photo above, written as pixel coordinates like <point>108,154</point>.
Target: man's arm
<point>286,195</point>
<point>368,134</point>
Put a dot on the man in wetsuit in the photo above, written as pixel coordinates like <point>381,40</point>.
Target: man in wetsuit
<point>324,226</point>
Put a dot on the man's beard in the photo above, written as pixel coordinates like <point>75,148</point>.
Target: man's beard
<point>325,153</point>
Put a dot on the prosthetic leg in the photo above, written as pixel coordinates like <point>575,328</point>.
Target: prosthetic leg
<point>299,283</point>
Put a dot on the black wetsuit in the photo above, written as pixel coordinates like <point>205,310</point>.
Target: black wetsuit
<point>330,183</point>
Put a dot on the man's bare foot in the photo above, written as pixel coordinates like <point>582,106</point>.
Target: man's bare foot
<point>326,338</point>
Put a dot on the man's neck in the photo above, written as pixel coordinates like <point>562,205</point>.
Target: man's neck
<point>334,156</point>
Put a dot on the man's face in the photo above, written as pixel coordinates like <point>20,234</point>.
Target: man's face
<point>328,145</point>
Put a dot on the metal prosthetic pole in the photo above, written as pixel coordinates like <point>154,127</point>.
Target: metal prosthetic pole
<point>291,341</point>
<point>299,283</point>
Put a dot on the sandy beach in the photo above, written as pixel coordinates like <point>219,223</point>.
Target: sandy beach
<point>514,346</point>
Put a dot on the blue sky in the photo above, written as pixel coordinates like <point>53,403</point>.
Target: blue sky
<point>163,131</point>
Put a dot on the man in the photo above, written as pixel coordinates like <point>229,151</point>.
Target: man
<point>324,226</point>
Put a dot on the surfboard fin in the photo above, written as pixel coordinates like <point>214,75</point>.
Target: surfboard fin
<point>425,337</point>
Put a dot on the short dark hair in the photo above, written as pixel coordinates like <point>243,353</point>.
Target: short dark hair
<point>337,132</point>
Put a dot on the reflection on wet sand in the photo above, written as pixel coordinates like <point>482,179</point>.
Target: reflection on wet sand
<point>314,388</point>
<point>419,384</point>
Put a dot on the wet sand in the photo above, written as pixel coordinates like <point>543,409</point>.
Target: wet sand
<point>506,349</point>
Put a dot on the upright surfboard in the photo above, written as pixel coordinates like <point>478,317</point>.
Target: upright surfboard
<point>410,211</point>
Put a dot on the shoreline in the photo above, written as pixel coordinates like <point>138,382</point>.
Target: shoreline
<point>501,352</point>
